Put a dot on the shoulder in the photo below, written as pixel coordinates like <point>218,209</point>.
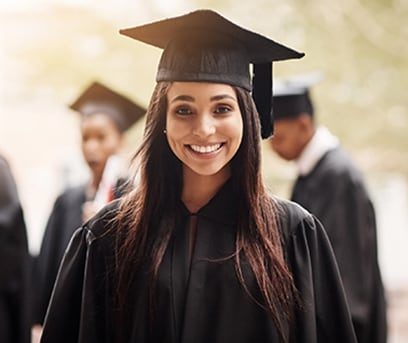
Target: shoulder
<point>300,230</point>
<point>339,172</point>
<point>8,189</point>
<point>5,171</point>
<point>72,196</point>
<point>292,217</point>
<point>337,162</point>
<point>72,192</point>
<point>102,224</point>
<point>97,236</point>
<point>3,163</point>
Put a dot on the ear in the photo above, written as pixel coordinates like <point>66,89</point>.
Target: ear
<point>306,127</point>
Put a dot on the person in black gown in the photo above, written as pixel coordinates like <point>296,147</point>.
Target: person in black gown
<point>199,251</point>
<point>331,187</point>
<point>14,263</point>
<point>105,116</point>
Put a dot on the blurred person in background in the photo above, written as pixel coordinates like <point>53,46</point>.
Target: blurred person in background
<point>331,187</point>
<point>14,263</point>
<point>105,116</point>
<point>199,251</point>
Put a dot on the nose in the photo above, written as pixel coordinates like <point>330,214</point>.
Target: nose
<point>91,147</point>
<point>204,125</point>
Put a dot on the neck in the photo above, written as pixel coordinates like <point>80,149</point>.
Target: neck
<point>198,190</point>
<point>96,179</point>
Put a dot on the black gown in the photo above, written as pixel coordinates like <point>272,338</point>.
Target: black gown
<point>65,218</point>
<point>334,191</point>
<point>14,263</point>
<point>203,301</point>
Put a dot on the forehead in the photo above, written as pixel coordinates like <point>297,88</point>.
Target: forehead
<point>200,89</point>
<point>286,122</point>
<point>98,120</point>
<point>285,126</point>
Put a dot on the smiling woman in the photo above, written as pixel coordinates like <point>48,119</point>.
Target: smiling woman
<point>204,130</point>
<point>200,251</point>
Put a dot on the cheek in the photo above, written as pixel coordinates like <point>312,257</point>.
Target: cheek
<point>279,141</point>
<point>175,131</point>
<point>283,146</point>
<point>233,129</point>
<point>111,145</point>
<point>171,139</point>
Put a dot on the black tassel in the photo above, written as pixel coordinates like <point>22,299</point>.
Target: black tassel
<point>262,95</point>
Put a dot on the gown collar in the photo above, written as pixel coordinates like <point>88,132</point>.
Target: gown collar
<point>221,208</point>
<point>322,141</point>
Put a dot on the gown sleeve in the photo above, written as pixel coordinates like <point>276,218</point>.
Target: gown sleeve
<point>323,314</point>
<point>353,227</point>
<point>46,267</point>
<point>14,262</point>
<point>78,307</point>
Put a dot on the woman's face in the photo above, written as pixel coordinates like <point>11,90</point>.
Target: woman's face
<point>100,139</point>
<point>204,126</point>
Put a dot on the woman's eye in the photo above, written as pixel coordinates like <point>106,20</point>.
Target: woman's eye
<point>222,109</point>
<point>183,110</point>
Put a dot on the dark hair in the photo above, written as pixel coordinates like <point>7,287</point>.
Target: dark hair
<point>258,237</point>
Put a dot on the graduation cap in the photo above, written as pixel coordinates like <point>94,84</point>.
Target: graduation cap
<point>98,98</point>
<point>291,96</point>
<point>203,46</point>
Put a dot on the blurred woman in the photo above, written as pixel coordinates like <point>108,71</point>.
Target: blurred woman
<point>105,116</point>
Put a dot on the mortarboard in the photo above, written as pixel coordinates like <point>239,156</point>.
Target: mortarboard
<point>203,46</point>
<point>98,98</point>
<point>291,96</point>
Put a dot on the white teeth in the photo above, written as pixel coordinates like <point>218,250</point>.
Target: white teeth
<point>205,149</point>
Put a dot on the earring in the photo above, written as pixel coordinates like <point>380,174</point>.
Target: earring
<point>164,131</point>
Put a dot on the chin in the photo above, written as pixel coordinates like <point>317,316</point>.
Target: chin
<point>208,170</point>
<point>284,156</point>
<point>96,170</point>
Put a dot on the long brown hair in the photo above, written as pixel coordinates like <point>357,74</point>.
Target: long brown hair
<point>258,238</point>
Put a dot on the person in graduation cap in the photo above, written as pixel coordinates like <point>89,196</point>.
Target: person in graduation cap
<point>105,116</point>
<point>331,187</point>
<point>200,251</point>
<point>14,262</point>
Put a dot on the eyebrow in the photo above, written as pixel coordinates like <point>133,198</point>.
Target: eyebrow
<point>183,98</point>
<point>213,98</point>
<point>222,96</point>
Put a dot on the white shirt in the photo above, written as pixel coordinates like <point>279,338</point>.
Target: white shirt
<point>322,141</point>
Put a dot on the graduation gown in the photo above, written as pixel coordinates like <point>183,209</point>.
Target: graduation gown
<point>65,218</point>
<point>14,259</point>
<point>198,300</point>
<point>334,191</point>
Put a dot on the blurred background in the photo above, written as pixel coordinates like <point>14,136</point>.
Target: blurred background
<point>52,49</point>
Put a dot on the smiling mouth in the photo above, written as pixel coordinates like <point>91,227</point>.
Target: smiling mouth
<point>205,149</point>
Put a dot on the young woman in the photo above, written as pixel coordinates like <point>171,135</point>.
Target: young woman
<point>105,116</point>
<point>200,251</point>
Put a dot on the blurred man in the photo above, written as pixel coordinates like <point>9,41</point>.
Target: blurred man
<point>14,325</point>
<point>330,186</point>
